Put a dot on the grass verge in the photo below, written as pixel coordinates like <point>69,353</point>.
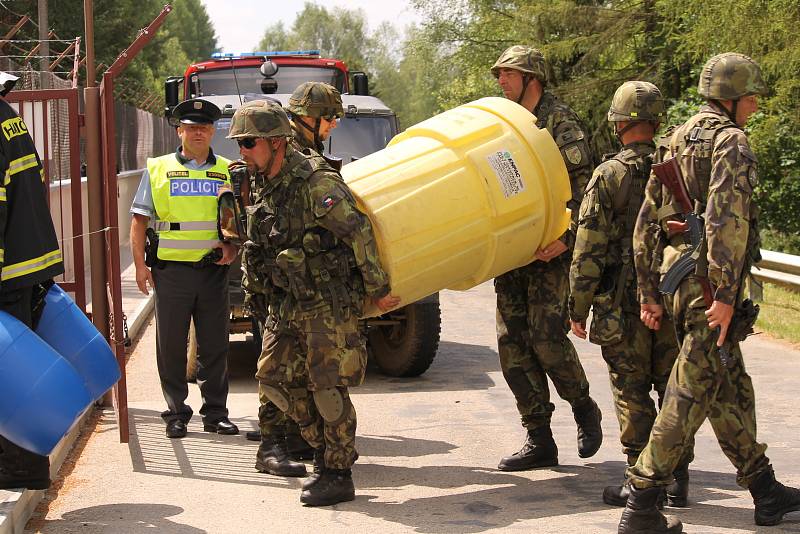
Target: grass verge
<point>780,313</point>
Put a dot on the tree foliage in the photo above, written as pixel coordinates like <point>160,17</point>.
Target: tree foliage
<point>593,46</point>
<point>186,36</point>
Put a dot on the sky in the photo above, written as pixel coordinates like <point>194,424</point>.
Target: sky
<point>240,24</point>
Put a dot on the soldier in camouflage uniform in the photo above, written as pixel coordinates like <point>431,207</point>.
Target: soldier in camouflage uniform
<point>314,108</point>
<point>719,169</point>
<point>532,322</point>
<point>602,276</point>
<point>312,255</point>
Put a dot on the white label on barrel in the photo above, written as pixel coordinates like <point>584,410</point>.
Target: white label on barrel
<point>507,173</point>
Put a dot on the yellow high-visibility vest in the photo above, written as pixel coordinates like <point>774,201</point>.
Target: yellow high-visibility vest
<point>186,206</point>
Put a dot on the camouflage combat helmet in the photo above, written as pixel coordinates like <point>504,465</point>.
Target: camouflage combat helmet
<point>525,59</point>
<point>730,76</point>
<point>317,100</point>
<point>637,101</point>
<point>260,118</point>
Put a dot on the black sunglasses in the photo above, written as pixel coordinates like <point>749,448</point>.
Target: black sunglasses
<point>247,142</point>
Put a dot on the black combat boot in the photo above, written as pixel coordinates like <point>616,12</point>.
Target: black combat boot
<point>319,467</point>
<point>642,517</point>
<point>590,433</point>
<point>273,458</point>
<point>772,499</point>
<point>539,450</point>
<point>334,486</point>
<point>618,496</point>
<point>20,468</point>
<point>678,491</point>
<point>299,449</point>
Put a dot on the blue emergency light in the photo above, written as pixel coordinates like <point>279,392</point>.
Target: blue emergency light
<point>228,55</point>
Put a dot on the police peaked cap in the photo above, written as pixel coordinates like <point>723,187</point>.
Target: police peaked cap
<point>196,111</point>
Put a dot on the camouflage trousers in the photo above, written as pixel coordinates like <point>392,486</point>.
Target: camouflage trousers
<point>699,388</point>
<point>315,355</point>
<point>532,325</point>
<point>637,364</point>
<point>271,420</point>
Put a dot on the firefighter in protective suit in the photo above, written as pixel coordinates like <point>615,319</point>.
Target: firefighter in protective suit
<point>29,259</point>
<point>313,256</point>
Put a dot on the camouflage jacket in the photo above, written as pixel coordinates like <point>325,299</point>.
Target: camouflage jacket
<point>719,169</point>
<point>307,241</point>
<point>301,143</point>
<point>567,130</point>
<point>604,234</point>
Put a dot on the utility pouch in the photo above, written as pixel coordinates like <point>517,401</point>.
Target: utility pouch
<point>151,248</point>
<point>743,321</point>
<point>608,321</point>
<point>292,262</point>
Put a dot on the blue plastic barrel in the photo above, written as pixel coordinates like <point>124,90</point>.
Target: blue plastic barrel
<point>65,328</point>
<point>41,394</point>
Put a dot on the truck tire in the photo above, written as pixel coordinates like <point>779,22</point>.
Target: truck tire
<point>191,355</point>
<point>407,349</point>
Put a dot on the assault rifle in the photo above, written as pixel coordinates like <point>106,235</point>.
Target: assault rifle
<point>669,174</point>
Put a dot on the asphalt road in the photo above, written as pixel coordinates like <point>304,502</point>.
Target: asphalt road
<point>429,449</point>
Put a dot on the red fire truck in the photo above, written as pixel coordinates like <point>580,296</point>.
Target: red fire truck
<point>403,342</point>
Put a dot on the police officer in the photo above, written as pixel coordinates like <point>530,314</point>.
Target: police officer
<point>532,322</point>
<point>602,276</point>
<point>313,253</point>
<point>719,170</point>
<point>29,259</point>
<point>315,108</point>
<point>178,193</point>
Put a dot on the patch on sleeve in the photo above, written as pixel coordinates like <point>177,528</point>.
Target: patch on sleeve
<point>573,154</point>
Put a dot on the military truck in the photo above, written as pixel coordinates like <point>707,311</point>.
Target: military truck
<point>402,342</point>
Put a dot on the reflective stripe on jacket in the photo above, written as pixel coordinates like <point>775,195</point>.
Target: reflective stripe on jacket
<point>185,202</point>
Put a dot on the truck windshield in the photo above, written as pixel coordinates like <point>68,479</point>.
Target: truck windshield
<point>222,82</point>
<point>352,139</point>
<point>359,136</point>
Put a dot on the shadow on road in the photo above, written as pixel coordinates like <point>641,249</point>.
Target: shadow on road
<point>128,518</point>
<point>506,498</point>
<point>200,454</point>
<point>457,367</point>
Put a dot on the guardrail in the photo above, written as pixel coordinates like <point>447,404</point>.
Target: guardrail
<point>778,268</point>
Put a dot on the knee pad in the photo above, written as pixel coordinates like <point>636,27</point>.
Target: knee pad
<point>279,396</point>
<point>331,404</point>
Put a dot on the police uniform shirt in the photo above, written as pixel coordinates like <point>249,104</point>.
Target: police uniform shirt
<point>143,201</point>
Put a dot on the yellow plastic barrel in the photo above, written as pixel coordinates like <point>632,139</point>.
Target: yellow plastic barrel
<point>462,197</point>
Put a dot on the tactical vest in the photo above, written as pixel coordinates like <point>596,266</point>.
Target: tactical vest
<point>313,268</point>
<point>626,204</point>
<point>29,252</point>
<point>185,202</point>
<point>693,145</point>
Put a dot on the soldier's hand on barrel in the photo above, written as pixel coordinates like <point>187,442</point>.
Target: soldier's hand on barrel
<point>229,252</point>
<point>650,314</point>
<point>387,303</point>
<point>144,277</point>
<point>551,250</point>
<point>719,315</point>
<point>578,328</point>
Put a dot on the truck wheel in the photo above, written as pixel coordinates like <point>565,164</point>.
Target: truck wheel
<point>408,348</point>
<point>191,355</point>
